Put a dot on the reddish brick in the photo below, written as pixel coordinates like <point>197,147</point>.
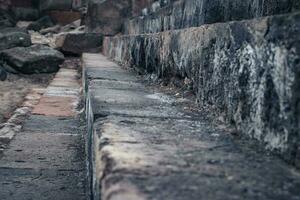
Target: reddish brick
<point>56,106</point>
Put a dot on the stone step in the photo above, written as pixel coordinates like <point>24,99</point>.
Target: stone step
<point>247,71</point>
<point>143,145</point>
<point>193,13</point>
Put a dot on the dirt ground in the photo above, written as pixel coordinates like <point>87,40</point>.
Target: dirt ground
<point>15,88</point>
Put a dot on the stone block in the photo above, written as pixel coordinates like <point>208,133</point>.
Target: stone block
<point>79,42</point>
<point>34,59</point>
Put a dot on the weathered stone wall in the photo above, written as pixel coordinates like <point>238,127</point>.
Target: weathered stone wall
<point>248,70</point>
<point>194,13</point>
<point>138,5</point>
<point>107,16</point>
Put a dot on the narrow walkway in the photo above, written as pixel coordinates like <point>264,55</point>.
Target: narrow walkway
<point>146,146</point>
<point>46,160</point>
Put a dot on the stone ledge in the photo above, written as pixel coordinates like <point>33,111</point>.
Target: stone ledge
<point>144,157</point>
<point>247,70</point>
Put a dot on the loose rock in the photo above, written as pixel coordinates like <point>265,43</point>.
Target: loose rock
<point>14,37</point>
<point>43,22</point>
<point>52,29</point>
<point>34,59</point>
<point>75,25</point>
<point>79,42</point>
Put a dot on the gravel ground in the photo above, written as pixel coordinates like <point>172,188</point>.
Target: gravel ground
<point>15,88</point>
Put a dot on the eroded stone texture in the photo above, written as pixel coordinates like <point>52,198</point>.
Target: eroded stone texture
<point>78,42</point>
<point>247,70</point>
<point>194,13</point>
<point>14,37</point>
<point>34,59</point>
<point>105,16</point>
<point>143,144</point>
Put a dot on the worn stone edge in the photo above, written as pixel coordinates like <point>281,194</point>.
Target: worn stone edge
<point>14,124</point>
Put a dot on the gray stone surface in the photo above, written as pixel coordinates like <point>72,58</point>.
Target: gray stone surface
<point>106,17</point>
<point>247,71</point>
<point>13,37</point>
<point>52,124</point>
<point>182,159</point>
<point>44,163</point>
<point>44,184</point>
<point>78,42</point>
<point>141,150</point>
<point>194,13</point>
<point>43,22</point>
<point>34,59</point>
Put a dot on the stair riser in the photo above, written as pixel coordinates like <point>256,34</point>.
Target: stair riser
<point>194,13</point>
<point>247,70</point>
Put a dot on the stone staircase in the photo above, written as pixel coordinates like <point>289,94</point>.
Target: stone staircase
<point>246,70</point>
<point>241,60</point>
<point>144,144</point>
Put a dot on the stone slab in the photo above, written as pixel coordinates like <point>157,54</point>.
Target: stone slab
<point>56,106</point>
<point>182,159</point>
<point>130,99</point>
<point>52,124</point>
<point>43,150</point>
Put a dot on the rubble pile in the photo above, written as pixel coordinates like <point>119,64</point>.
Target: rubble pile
<point>35,39</point>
